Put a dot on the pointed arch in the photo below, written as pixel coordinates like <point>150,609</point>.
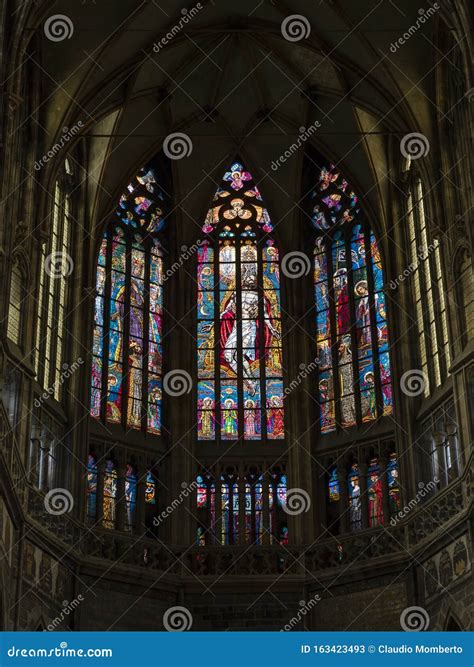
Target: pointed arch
<point>240,375</point>
<point>354,383</point>
<point>126,386</point>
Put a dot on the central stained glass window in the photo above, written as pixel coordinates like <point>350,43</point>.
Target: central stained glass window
<point>240,388</point>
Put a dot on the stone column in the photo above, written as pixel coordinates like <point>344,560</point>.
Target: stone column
<point>46,440</point>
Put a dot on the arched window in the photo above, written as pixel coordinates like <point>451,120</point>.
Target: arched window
<point>428,291</point>
<point>351,321</point>
<point>240,390</point>
<point>374,493</point>
<point>130,496</point>
<point>127,344</point>
<point>91,488</point>
<point>110,494</point>
<point>56,267</point>
<point>355,506</point>
<point>393,482</point>
<point>15,306</point>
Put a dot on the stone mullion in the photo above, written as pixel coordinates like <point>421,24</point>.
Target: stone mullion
<point>385,490</point>
<point>120,498</point>
<point>241,492</point>
<point>218,508</point>
<point>139,523</point>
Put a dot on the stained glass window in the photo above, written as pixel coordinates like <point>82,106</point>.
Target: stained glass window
<point>110,494</point>
<point>130,496</point>
<point>91,488</point>
<point>393,484</point>
<point>150,489</point>
<point>333,486</point>
<point>374,494</point>
<point>224,528</point>
<point>355,507</point>
<point>240,385</point>
<point>14,325</point>
<point>354,378</point>
<point>127,344</point>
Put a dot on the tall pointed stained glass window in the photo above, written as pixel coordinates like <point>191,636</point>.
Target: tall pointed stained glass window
<point>354,383</point>
<point>127,345</point>
<point>240,389</point>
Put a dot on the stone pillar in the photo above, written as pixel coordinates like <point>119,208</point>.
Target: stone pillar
<point>344,519</point>
<point>364,500</point>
